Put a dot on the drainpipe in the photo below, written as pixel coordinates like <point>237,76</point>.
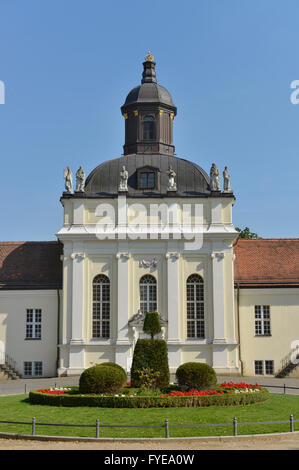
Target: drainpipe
<point>239,335</point>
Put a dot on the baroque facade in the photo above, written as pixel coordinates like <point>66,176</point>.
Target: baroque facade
<point>149,232</point>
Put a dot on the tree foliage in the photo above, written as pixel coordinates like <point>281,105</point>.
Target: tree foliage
<point>246,233</point>
<point>152,325</point>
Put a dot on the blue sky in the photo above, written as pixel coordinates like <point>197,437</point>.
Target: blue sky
<point>68,65</point>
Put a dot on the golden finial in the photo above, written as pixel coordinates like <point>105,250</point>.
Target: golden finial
<point>149,57</point>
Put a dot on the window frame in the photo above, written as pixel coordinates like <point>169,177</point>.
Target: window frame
<point>33,328</point>
<point>272,367</point>
<point>148,169</point>
<point>145,132</point>
<point>150,304</point>
<point>99,324</point>
<point>264,366</point>
<point>196,324</point>
<point>34,365</point>
<point>262,323</point>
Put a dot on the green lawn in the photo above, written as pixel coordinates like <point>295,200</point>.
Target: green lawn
<point>278,407</point>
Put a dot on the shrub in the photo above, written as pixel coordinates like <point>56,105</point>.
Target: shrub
<point>150,354</point>
<point>152,325</point>
<point>116,366</point>
<point>101,379</point>
<point>196,376</point>
<point>148,378</point>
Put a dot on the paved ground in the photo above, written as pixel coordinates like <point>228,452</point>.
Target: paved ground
<point>261,443</point>
<point>13,387</point>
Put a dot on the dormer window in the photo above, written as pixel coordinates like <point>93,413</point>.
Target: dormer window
<point>149,128</point>
<point>147,178</point>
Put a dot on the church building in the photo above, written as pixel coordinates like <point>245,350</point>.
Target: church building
<point>149,231</point>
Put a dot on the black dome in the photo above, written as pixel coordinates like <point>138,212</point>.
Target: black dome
<point>149,93</point>
<point>191,180</point>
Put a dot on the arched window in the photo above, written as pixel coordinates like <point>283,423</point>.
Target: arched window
<point>195,307</point>
<point>149,128</point>
<point>101,307</point>
<point>148,294</point>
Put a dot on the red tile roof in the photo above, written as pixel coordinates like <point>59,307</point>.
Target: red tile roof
<point>267,262</point>
<point>30,265</point>
<point>258,263</point>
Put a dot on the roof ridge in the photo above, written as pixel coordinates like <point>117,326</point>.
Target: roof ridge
<point>267,239</point>
<point>31,242</point>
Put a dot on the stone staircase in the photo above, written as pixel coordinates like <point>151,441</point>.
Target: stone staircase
<point>8,368</point>
<point>288,363</point>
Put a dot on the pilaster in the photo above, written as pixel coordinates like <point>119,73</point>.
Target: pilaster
<point>123,344</point>
<point>174,350</point>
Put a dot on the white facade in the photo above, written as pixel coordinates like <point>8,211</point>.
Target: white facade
<point>124,262</point>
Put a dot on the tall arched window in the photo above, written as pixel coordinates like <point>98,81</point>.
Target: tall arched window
<point>149,128</point>
<point>195,307</point>
<point>148,294</point>
<point>101,307</point>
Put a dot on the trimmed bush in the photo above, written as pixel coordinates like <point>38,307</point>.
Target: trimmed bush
<point>116,366</point>
<point>152,325</point>
<point>150,354</point>
<point>38,398</point>
<point>102,379</point>
<point>196,376</point>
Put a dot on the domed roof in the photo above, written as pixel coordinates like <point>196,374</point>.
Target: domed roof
<point>149,93</point>
<point>191,180</point>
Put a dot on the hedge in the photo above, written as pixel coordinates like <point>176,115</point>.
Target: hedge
<point>152,354</point>
<point>38,398</point>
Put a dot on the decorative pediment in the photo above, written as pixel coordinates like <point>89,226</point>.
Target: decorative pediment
<point>138,319</point>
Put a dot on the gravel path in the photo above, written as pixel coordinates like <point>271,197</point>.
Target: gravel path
<point>261,443</point>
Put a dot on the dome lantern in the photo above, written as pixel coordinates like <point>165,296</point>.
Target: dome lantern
<point>149,113</point>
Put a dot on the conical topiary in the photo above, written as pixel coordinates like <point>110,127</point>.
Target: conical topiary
<point>152,325</point>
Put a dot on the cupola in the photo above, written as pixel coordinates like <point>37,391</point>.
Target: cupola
<point>149,113</point>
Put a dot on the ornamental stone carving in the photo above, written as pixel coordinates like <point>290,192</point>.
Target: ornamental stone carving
<point>123,255</point>
<point>123,184</point>
<point>80,180</point>
<point>226,181</point>
<point>153,263</point>
<point>214,178</point>
<point>217,255</point>
<point>78,256</point>
<point>171,180</point>
<point>138,319</point>
<point>68,176</point>
<point>172,255</point>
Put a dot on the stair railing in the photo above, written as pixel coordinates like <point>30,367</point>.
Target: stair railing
<point>289,359</point>
<point>10,362</point>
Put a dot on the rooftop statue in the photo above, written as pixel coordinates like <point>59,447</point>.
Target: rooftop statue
<point>68,176</point>
<point>171,180</point>
<point>226,181</point>
<point>123,184</point>
<point>215,178</point>
<point>80,180</point>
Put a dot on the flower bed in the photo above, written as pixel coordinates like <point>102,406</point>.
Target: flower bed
<point>226,394</point>
<point>55,391</point>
